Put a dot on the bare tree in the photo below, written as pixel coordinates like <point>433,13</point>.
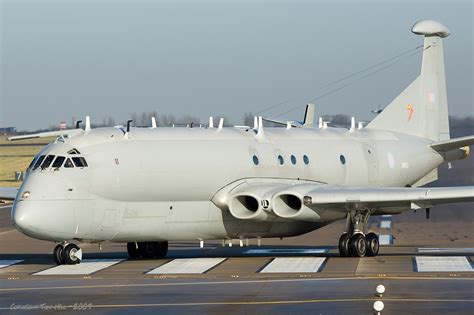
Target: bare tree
<point>248,119</point>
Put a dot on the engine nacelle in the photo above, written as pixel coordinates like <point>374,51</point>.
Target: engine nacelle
<point>253,202</point>
<point>289,205</point>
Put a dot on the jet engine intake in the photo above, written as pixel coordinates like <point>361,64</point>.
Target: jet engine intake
<point>288,205</point>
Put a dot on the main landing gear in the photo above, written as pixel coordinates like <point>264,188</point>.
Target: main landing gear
<point>67,254</point>
<point>147,249</point>
<point>353,242</point>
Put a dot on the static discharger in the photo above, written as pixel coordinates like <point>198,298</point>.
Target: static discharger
<point>153,122</point>
<point>211,122</point>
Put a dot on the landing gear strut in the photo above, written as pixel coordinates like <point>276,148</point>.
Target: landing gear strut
<point>147,249</point>
<point>354,242</point>
<point>67,254</point>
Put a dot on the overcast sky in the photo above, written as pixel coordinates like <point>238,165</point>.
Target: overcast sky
<point>61,59</point>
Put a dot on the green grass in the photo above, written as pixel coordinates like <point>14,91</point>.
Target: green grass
<point>17,158</point>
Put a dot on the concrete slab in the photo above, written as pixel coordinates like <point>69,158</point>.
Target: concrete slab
<point>187,266</point>
<point>442,264</point>
<point>294,264</point>
<point>86,267</point>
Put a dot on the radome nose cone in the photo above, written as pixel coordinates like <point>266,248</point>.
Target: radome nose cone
<point>21,217</point>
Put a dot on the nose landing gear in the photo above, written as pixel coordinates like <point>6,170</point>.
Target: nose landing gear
<point>67,254</point>
<point>354,242</point>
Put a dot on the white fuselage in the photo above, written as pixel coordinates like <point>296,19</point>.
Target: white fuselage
<point>159,184</point>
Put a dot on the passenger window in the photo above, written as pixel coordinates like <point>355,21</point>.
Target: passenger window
<point>281,160</point>
<point>306,159</point>
<point>47,161</point>
<point>79,161</point>
<point>38,162</point>
<point>255,160</point>
<point>58,162</point>
<point>68,163</point>
<point>293,159</point>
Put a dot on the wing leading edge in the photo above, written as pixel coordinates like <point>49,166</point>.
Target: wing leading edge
<point>388,196</point>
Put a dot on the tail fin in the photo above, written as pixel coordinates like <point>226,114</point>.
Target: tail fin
<point>422,108</point>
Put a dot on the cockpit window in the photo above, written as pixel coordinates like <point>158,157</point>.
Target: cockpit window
<point>32,163</point>
<point>47,161</point>
<point>68,163</point>
<point>79,161</point>
<point>73,151</point>
<point>58,162</point>
<point>38,162</point>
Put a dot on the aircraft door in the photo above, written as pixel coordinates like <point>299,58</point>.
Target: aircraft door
<point>372,166</point>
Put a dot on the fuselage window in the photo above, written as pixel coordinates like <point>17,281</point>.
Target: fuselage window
<point>293,159</point>
<point>47,161</point>
<point>38,162</point>
<point>342,158</point>
<point>306,159</point>
<point>255,160</point>
<point>58,162</point>
<point>68,163</point>
<point>281,160</point>
<point>79,161</point>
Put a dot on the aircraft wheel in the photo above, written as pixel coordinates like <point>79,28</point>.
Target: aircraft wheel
<point>58,254</point>
<point>147,249</point>
<point>358,245</point>
<point>133,251</point>
<point>344,245</point>
<point>72,254</point>
<point>161,249</point>
<point>372,244</point>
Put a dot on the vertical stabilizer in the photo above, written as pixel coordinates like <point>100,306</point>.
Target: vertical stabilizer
<point>422,108</point>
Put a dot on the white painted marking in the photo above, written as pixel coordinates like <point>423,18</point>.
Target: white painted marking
<point>387,216</point>
<point>187,266</point>
<point>286,251</point>
<point>385,224</point>
<point>445,250</point>
<point>86,267</point>
<point>385,239</point>
<point>294,264</point>
<point>6,263</point>
<point>4,207</point>
<point>433,264</point>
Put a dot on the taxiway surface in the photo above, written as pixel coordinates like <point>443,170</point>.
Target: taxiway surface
<point>426,266</point>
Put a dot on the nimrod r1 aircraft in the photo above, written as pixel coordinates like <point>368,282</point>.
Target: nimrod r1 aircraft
<point>148,186</point>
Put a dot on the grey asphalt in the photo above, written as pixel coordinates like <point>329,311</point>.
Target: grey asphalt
<point>343,286</point>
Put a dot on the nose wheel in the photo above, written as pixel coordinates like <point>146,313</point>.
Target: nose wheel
<point>67,254</point>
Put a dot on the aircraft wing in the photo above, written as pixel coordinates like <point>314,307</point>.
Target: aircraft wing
<point>8,193</point>
<point>67,133</point>
<point>380,197</point>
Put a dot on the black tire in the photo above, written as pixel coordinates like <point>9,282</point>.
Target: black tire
<point>58,254</point>
<point>161,249</point>
<point>373,245</point>
<point>344,245</point>
<point>147,249</point>
<point>69,254</point>
<point>133,251</point>
<point>358,245</point>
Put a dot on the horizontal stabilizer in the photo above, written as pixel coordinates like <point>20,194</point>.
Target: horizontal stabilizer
<point>452,144</point>
<point>66,133</point>
<point>8,193</point>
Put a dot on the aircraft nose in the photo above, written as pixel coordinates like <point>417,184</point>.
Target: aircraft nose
<point>23,217</point>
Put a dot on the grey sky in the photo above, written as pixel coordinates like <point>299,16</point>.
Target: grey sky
<point>112,58</point>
